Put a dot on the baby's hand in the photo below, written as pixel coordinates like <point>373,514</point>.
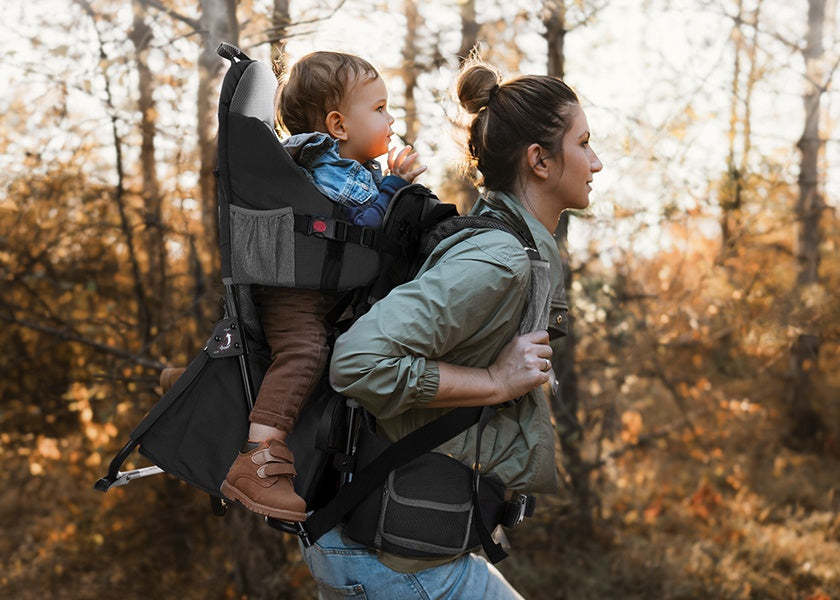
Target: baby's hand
<point>400,164</point>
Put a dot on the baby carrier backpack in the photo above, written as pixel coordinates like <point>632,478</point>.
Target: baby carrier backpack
<point>276,228</point>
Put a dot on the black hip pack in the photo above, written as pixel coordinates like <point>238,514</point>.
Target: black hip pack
<point>425,508</point>
<point>406,500</point>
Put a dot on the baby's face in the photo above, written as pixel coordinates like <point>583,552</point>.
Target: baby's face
<point>366,119</point>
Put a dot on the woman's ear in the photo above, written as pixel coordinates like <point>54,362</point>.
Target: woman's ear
<point>535,155</point>
<point>335,125</point>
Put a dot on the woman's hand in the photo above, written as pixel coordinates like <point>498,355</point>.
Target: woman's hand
<point>523,364</point>
<point>401,164</point>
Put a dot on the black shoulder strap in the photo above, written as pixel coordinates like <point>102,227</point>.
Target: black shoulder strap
<point>452,225</point>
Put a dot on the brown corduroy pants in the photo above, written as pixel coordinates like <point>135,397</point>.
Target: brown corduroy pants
<point>294,326</point>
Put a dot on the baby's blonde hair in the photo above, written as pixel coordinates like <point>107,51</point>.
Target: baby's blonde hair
<point>316,85</point>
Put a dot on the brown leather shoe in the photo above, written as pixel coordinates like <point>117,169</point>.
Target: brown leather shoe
<point>261,480</point>
<point>169,376</point>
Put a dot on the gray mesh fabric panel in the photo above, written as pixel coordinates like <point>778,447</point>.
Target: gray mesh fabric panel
<point>263,246</point>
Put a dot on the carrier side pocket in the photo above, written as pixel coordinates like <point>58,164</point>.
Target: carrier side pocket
<point>263,246</point>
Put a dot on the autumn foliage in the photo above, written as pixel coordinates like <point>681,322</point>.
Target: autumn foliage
<point>708,475</point>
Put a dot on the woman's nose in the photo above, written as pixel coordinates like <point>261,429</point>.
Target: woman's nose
<point>595,164</point>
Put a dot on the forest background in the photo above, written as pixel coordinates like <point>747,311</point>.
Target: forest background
<point>700,413</point>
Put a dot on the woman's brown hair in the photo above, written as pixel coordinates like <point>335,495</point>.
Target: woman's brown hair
<point>509,116</point>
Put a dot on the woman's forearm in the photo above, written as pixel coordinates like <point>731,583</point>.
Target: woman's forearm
<point>466,386</point>
<point>521,366</point>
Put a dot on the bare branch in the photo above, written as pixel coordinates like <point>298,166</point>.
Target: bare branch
<point>273,34</point>
<point>70,336</point>
<point>194,23</point>
<point>645,440</point>
<point>119,192</point>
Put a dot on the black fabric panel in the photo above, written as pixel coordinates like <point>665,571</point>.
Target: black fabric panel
<point>203,426</point>
<point>262,174</point>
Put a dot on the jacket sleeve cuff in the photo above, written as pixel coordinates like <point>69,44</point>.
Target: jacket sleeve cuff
<point>392,183</point>
<point>429,384</point>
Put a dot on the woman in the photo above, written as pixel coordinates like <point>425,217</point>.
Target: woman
<point>451,338</point>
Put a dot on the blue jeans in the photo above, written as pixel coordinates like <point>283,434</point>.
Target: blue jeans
<point>346,570</point>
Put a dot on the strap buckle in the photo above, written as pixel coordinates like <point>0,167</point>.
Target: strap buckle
<point>320,226</point>
<point>327,227</point>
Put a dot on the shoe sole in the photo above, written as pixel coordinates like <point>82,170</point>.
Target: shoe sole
<point>290,516</point>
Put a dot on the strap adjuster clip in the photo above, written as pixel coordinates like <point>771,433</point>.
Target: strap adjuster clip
<point>339,231</point>
<point>368,237</point>
<point>521,506</point>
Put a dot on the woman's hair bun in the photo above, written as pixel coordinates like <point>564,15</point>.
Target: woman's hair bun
<point>476,85</point>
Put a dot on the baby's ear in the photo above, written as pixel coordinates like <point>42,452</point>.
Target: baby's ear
<point>335,125</point>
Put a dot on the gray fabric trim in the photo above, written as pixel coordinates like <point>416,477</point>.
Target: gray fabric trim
<point>254,95</point>
<point>539,298</point>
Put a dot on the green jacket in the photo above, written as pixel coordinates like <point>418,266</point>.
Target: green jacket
<point>465,304</point>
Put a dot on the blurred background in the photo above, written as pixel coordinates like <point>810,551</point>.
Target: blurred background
<point>699,419</point>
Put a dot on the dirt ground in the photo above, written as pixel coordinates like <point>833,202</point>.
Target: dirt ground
<point>723,509</point>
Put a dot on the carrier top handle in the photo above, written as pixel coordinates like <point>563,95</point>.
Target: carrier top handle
<point>231,52</point>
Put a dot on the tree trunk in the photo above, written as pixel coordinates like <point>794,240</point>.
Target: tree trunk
<point>809,208</point>
<point>731,192</point>
<point>126,223</point>
<point>554,21</point>
<point>153,238</point>
<point>458,187</point>
<point>409,71</point>
<point>218,24</point>
<point>281,19</point>
<point>566,401</point>
<point>469,30</point>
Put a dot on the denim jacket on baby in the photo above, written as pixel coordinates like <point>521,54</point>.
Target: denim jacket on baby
<point>359,188</point>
